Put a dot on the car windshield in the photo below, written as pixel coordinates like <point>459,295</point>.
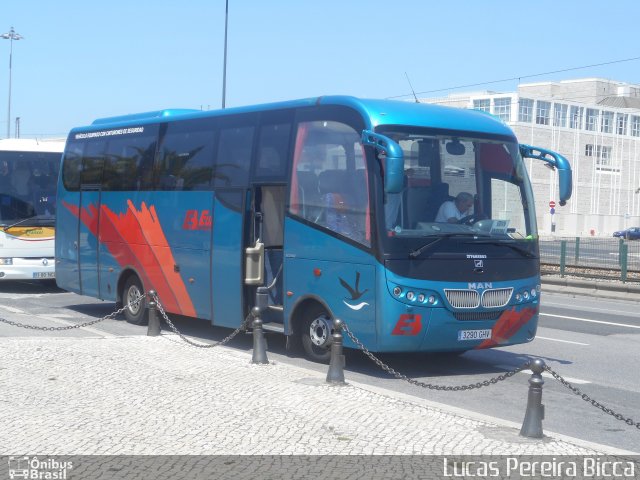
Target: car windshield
<point>459,184</point>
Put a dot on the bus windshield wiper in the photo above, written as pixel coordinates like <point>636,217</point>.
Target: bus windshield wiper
<point>19,222</point>
<point>510,244</point>
<point>416,253</point>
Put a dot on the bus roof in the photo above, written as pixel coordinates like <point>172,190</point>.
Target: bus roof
<point>32,145</point>
<point>375,113</point>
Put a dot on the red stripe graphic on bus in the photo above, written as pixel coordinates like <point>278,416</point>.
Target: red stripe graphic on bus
<point>136,238</point>
<point>508,325</point>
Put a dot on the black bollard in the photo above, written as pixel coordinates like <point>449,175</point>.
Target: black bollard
<point>532,424</point>
<point>259,342</point>
<point>335,375</point>
<point>153,329</point>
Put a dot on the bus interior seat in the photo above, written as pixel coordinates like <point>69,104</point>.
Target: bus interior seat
<point>439,194</point>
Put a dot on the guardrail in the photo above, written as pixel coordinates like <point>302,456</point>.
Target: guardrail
<point>608,258</point>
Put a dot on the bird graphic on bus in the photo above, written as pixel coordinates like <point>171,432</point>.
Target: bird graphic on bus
<point>355,293</point>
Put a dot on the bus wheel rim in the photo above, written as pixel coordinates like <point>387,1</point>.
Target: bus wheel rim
<point>319,332</point>
<point>132,295</point>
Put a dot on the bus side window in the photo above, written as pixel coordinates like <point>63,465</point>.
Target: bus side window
<point>186,156</point>
<point>234,157</point>
<point>331,152</point>
<point>127,159</point>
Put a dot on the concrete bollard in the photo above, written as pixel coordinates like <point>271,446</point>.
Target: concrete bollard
<point>532,424</point>
<point>259,343</point>
<point>153,329</point>
<point>335,375</point>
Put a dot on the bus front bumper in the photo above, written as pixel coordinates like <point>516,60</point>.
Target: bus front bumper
<point>28,269</point>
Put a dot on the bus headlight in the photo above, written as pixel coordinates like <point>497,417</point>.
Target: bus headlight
<point>534,293</point>
<point>397,291</point>
<point>518,297</point>
<point>6,261</point>
<point>421,297</point>
<point>411,296</point>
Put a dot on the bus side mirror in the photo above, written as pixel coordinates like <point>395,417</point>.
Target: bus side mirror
<point>556,162</point>
<point>394,160</point>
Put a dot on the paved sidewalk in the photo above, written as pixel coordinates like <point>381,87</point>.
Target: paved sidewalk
<point>159,396</point>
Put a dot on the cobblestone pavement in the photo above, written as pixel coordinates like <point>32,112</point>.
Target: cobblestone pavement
<point>158,396</point>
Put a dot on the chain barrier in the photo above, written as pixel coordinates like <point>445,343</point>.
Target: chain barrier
<point>431,386</point>
<point>71,327</point>
<point>191,342</point>
<point>590,400</point>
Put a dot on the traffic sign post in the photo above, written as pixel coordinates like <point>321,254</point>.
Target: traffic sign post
<point>552,211</point>
<point>552,204</point>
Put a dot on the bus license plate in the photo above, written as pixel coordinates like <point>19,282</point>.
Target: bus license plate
<point>44,274</point>
<point>474,334</point>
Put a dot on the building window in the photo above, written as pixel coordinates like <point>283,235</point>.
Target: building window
<point>592,119</point>
<point>543,113</point>
<point>635,126</point>
<point>621,124</point>
<point>482,104</point>
<point>525,112</point>
<point>588,150</point>
<point>603,157</point>
<point>575,117</point>
<point>559,115</point>
<point>502,108</point>
<point>606,125</point>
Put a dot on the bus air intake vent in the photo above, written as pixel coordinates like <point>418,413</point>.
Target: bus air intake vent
<point>462,298</point>
<point>471,316</point>
<point>497,297</point>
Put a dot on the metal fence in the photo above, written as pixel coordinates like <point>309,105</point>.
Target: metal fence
<point>606,258</point>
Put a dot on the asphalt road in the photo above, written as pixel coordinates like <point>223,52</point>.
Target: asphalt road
<point>589,341</point>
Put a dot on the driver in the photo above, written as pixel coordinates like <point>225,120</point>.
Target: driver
<point>452,211</point>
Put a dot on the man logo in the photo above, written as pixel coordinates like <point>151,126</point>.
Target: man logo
<point>478,263</point>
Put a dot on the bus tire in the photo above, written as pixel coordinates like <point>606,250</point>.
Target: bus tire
<point>316,334</point>
<point>135,313</point>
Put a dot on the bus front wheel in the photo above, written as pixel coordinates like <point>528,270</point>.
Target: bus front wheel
<point>135,308</point>
<point>316,334</point>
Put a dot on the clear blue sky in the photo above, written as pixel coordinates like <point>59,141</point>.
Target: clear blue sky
<point>82,60</point>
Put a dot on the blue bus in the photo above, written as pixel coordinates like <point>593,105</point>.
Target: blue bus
<point>413,223</point>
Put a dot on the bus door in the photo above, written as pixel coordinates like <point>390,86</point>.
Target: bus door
<point>89,208</point>
<point>226,257</point>
<point>264,249</point>
<point>88,231</point>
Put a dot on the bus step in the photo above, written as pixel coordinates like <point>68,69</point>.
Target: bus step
<point>273,327</point>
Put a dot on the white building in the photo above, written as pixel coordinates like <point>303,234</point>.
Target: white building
<point>595,123</point>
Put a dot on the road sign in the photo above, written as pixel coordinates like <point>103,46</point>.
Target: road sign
<point>552,204</point>
<point>552,210</point>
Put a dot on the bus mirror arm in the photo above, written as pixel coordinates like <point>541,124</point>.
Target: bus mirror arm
<point>394,159</point>
<point>555,162</point>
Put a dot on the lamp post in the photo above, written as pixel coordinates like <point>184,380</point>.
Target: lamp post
<point>224,66</point>
<point>11,36</point>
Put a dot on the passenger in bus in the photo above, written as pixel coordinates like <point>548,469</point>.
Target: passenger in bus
<point>21,180</point>
<point>5,177</point>
<point>452,211</point>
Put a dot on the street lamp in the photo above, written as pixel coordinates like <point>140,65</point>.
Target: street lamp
<point>224,65</point>
<point>11,35</point>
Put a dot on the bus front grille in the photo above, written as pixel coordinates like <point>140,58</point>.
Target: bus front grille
<point>497,297</point>
<point>463,298</point>
<point>471,316</point>
<point>492,298</point>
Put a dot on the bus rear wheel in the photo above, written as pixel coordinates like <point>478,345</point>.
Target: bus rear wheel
<point>135,311</point>
<point>316,334</point>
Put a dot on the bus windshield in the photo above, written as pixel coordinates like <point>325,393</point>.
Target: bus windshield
<point>28,188</point>
<point>459,185</point>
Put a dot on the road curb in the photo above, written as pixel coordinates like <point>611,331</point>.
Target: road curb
<point>461,412</point>
<point>591,285</point>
